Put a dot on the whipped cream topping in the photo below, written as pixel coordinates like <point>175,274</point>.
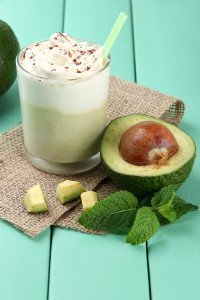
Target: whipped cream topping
<point>62,57</point>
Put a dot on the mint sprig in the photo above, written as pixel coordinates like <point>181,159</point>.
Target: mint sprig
<point>115,212</point>
<point>120,211</point>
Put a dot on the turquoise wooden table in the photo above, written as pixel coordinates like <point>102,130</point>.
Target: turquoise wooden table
<point>159,47</point>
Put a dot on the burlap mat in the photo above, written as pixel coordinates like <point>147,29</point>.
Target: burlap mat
<point>17,175</point>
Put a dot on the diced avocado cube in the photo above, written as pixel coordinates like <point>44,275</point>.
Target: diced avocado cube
<point>34,200</point>
<point>89,199</point>
<point>68,190</point>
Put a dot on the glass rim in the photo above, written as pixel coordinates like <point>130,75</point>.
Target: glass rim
<point>59,80</point>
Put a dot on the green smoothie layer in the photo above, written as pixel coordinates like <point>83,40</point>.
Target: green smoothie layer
<point>59,137</point>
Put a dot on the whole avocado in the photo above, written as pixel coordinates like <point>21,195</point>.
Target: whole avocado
<point>9,48</point>
<point>145,179</point>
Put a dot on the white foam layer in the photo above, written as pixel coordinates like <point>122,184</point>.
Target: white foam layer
<point>66,96</point>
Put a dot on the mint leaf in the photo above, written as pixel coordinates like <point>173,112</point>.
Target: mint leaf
<point>115,212</point>
<point>163,202</point>
<point>162,220</point>
<point>163,197</point>
<point>168,212</point>
<point>181,207</point>
<point>145,226</point>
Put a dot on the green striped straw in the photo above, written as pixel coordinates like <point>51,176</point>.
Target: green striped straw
<point>113,34</point>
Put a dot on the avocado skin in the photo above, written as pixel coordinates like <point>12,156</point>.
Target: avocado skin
<point>142,186</point>
<point>9,48</point>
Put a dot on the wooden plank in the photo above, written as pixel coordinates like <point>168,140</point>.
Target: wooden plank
<point>96,267</point>
<point>24,262</point>
<point>167,58</point>
<point>9,108</point>
<point>32,21</point>
<point>88,266</point>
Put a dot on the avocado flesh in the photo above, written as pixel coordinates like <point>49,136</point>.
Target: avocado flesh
<point>34,201</point>
<point>68,190</point>
<point>142,180</point>
<point>89,199</point>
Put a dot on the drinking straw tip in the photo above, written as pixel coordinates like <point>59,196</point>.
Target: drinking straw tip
<point>113,34</point>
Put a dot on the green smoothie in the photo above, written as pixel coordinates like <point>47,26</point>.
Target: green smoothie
<point>54,136</point>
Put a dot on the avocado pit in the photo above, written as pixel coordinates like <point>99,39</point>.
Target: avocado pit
<point>146,143</point>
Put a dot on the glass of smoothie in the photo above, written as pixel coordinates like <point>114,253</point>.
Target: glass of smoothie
<point>63,87</point>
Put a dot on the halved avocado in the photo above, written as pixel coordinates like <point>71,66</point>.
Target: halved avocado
<point>142,180</point>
